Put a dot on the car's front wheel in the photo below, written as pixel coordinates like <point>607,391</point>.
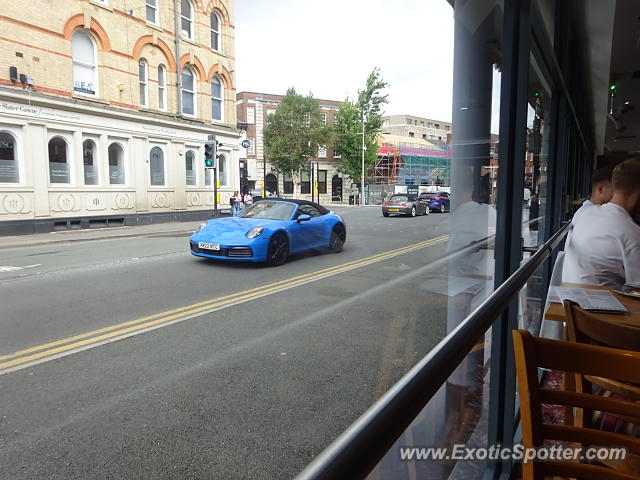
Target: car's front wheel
<point>338,237</point>
<point>413,211</point>
<point>426,210</point>
<point>278,250</point>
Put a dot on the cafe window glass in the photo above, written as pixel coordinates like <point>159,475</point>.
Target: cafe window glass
<point>58,161</point>
<point>90,165</point>
<point>116,164</point>
<point>9,172</point>
<point>156,166</point>
<point>83,49</point>
<point>190,161</point>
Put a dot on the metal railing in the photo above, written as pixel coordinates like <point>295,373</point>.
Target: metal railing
<point>359,448</point>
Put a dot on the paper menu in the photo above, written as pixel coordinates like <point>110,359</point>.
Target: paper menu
<point>592,300</point>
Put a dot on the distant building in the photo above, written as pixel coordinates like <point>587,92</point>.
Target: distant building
<point>252,110</point>
<point>105,108</point>
<point>434,131</point>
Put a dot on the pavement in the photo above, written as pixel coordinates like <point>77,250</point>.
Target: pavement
<point>87,234</point>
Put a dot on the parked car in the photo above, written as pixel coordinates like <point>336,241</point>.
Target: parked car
<point>404,205</point>
<point>269,231</point>
<point>437,201</point>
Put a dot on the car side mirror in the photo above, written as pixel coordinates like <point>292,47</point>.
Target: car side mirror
<point>304,218</point>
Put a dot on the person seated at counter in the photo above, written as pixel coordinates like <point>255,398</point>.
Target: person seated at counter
<point>601,192</point>
<point>604,245</point>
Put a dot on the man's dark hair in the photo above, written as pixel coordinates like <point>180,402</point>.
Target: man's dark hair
<point>626,176</point>
<point>601,175</point>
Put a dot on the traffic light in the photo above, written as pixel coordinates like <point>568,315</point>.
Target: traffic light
<point>209,153</point>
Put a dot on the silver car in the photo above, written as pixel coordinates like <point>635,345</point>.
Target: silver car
<point>403,204</point>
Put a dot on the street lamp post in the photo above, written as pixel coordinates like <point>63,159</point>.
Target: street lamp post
<point>364,120</point>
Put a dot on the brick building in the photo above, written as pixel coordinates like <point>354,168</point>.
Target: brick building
<point>252,110</point>
<point>104,109</point>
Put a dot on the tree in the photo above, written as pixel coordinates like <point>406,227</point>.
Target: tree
<point>292,134</point>
<point>348,141</point>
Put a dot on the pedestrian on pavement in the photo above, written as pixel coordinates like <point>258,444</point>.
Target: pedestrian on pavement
<point>248,200</point>
<point>235,203</point>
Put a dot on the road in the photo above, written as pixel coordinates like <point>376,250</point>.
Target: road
<point>130,358</point>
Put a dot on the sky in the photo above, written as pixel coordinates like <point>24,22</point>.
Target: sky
<point>329,48</point>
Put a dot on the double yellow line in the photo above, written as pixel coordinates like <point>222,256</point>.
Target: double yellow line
<point>67,346</point>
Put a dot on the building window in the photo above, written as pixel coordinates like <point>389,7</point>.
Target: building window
<point>271,184</point>
<point>411,134</point>
<point>385,123</point>
<point>143,77</point>
<point>322,151</point>
<point>162,87</point>
<point>336,154</point>
<point>288,184</point>
<point>215,31</point>
<point>322,181</point>
<point>421,123</point>
<point>447,127</point>
<point>58,164</point>
<point>85,79</point>
<point>222,170</point>
<point>217,98</point>
<point>252,147</point>
<point>323,119</point>
<point>89,162</point>
<point>152,11</point>
<point>409,121</point>
<point>190,163</point>
<point>188,92</point>
<point>251,114</point>
<point>156,166</point>
<point>305,183</point>
<point>436,125</point>
<point>424,136</point>
<point>8,159</point>
<point>429,125</point>
<point>271,111</point>
<point>116,164</point>
<point>186,19</point>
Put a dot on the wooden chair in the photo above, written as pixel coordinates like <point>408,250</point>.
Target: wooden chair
<point>532,353</point>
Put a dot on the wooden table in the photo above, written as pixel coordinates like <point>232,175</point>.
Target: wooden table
<point>632,317</point>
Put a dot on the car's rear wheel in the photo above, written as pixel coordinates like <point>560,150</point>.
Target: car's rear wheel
<point>413,211</point>
<point>338,237</point>
<point>426,210</point>
<point>278,250</point>
<point>442,208</point>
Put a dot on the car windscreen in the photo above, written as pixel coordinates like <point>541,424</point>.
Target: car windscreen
<point>269,211</point>
<point>399,198</point>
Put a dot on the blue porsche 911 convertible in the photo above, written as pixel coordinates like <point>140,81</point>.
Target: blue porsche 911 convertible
<point>269,231</point>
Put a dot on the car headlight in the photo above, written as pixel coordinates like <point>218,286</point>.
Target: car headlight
<point>254,232</point>
<point>202,225</point>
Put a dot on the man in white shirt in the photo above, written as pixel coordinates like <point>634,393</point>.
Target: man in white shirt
<point>604,248</point>
<point>601,192</point>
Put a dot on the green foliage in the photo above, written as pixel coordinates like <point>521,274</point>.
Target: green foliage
<point>292,134</point>
<point>348,129</point>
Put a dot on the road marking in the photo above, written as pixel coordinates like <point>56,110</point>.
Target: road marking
<point>67,346</point>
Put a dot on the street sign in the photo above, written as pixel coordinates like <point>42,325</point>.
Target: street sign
<point>246,143</point>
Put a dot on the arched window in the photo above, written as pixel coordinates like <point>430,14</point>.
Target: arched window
<point>85,78</point>
<point>116,164</point>
<point>156,166</point>
<point>271,182</point>
<point>217,98</point>
<point>222,169</point>
<point>190,161</point>
<point>8,159</point>
<point>186,18</point>
<point>162,87</point>
<point>188,92</point>
<point>58,164</point>
<point>215,31</point>
<point>143,79</point>
<point>90,164</point>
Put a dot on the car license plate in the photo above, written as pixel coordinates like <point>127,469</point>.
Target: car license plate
<point>209,246</point>
<point>394,209</point>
